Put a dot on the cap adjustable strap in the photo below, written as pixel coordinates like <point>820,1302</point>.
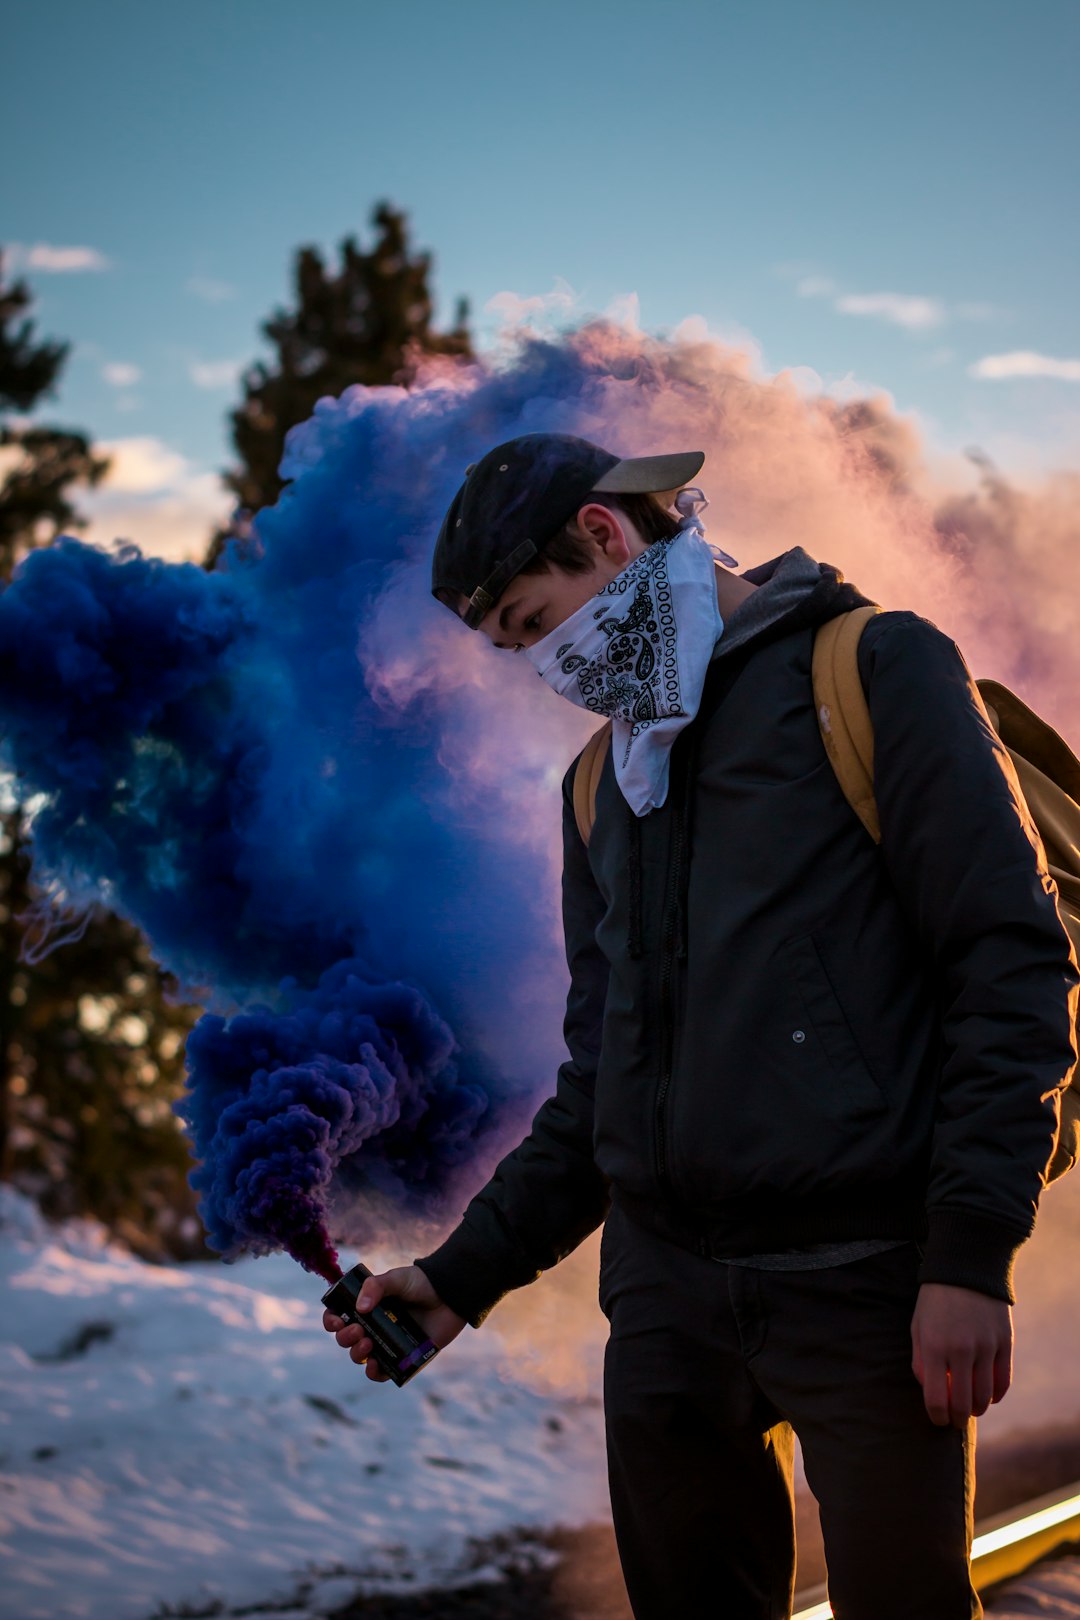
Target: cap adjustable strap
<point>488,593</point>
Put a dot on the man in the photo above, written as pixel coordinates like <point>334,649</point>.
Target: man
<point>811,1083</point>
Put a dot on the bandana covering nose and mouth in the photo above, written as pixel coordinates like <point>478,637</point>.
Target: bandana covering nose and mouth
<point>638,652</point>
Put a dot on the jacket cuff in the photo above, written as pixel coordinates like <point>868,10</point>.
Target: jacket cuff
<point>969,1250</point>
<point>470,1277</point>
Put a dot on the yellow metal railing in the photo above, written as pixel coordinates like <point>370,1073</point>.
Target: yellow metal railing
<point>1005,1545</point>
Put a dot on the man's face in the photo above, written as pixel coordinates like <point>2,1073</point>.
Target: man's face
<point>532,605</point>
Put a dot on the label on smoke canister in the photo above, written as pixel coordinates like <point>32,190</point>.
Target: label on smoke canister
<point>417,1357</point>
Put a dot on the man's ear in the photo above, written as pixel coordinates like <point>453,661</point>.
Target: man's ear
<point>600,525</point>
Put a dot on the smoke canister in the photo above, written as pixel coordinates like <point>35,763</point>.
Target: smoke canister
<point>400,1345</point>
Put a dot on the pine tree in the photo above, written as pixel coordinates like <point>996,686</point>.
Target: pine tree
<point>41,463</point>
<point>368,322</point>
<point>90,1044</point>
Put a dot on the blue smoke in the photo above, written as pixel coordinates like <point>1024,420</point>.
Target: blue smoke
<point>299,777</point>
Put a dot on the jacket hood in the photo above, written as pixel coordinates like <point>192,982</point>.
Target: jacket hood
<point>793,591</point>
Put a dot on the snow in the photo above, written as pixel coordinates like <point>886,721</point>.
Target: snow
<point>187,1434</point>
<point>179,1434</point>
<point>1052,1592</point>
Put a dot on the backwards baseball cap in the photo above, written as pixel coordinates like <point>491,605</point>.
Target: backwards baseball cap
<point>517,498</point>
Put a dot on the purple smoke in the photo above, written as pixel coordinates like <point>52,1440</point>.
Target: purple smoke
<point>280,1101</point>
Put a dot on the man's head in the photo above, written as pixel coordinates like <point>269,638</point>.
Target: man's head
<point>542,523</point>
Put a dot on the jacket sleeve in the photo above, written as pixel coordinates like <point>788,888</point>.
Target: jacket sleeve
<point>546,1196</point>
<point>970,870</point>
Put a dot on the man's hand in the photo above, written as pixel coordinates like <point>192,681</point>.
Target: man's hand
<point>962,1351</point>
<point>407,1283</point>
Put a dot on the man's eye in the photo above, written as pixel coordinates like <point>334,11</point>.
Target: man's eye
<point>532,622</point>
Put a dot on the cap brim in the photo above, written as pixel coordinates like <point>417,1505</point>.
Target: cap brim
<point>649,475</point>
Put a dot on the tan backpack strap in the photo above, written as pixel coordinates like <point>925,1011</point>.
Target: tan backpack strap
<point>587,779</point>
<point>843,715</point>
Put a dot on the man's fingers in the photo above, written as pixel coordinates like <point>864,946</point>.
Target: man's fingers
<point>982,1384</point>
<point>361,1353</point>
<point>331,1322</point>
<point>961,1371</point>
<point>957,1391</point>
<point>1002,1371</point>
<point>935,1383</point>
<point>952,1393</point>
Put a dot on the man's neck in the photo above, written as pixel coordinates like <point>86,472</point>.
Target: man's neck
<point>731,591</point>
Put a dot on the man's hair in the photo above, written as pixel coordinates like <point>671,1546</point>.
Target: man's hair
<point>571,552</point>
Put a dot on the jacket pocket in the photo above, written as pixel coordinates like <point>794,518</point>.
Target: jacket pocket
<point>773,1097</point>
<point>829,1026</point>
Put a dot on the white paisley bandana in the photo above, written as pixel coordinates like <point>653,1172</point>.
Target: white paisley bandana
<point>638,652</point>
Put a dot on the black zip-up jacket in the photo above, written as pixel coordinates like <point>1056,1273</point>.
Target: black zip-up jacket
<point>780,1033</point>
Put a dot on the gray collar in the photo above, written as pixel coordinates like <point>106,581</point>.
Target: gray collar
<point>782,584</point>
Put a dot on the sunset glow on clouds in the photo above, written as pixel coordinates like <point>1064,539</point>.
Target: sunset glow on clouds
<point>157,497</point>
<point>915,312</point>
<point>900,309</point>
<point>1025,363</point>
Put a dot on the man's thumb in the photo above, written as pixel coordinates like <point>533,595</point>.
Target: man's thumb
<point>403,1282</point>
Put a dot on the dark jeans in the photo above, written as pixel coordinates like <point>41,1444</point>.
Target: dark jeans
<point>709,1370</point>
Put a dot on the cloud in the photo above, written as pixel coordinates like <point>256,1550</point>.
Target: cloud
<point>56,260</point>
<point>209,289</point>
<point>157,497</point>
<point>1025,363</point>
<point>916,314</point>
<point>119,374</point>
<point>142,465</point>
<point>215,373</point>
<point>815,287</point>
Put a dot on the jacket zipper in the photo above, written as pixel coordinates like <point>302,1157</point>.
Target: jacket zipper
<point>668,942</point>
<point>667,962</point>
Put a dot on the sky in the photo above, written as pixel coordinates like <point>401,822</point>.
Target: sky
<point>877,198</point>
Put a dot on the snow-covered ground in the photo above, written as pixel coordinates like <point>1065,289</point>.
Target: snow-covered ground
<point>1051,1592</point>
<point>173,1434</point>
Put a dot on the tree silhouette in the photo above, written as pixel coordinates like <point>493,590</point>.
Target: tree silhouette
<point>40,463</point>
<point>370,321</point>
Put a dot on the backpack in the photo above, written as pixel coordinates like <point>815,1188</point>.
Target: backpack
<point>1048,770</point>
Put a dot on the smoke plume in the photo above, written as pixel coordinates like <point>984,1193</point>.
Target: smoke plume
<point>335,813</point>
